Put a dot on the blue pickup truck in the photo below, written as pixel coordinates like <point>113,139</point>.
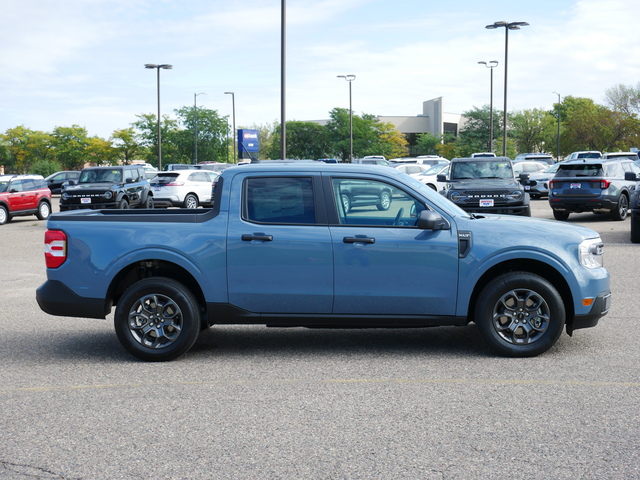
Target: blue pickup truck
<point>279,248</point>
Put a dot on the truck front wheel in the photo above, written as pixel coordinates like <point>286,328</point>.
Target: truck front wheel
<point>157,319</point>
<point>520,314</point>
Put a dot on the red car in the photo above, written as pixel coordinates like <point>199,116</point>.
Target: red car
<point>24,195</point>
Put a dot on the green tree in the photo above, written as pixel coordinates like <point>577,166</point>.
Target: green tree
<point>474,136</point>
<point>532,130</point>
<point>71,145</point>
<point>24,147</point>
<point>146,128</point>
<point>427,144</point>
<point>306,140</point>
<point>101,152</point>
<point>126,146</point>
<point>589,126</point>
<point>208,128</point>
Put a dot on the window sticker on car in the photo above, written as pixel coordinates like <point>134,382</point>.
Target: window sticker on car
<point>486,202</point>
<point>576,185</point>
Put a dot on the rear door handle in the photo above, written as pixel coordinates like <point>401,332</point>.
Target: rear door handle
<point>359,239</point>
<point>247,237</point>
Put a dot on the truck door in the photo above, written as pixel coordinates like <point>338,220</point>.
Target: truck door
<point>383,264</point>
<point>279,255</point>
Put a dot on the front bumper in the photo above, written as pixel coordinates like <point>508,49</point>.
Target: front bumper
<point>599,309</point>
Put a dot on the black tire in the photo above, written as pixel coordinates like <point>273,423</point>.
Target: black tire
<point>561,214</point>
<point>635,228</point>
<point>44,210</point>
<point>123,204</point>
<point>190,201</point>
<point>4,215</point>
<point>157,319</point>
<point>622,209</point>
<point>149,202</point>
<point>346,202</point>
<point>520,314</point>
<point>385,201</point>
<point>527,212</point>
<point>432,186</point>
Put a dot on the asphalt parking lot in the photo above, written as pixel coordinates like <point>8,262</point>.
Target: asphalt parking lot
<point>258,403</point>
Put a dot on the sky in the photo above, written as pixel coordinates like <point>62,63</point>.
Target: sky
<point>81,62</point>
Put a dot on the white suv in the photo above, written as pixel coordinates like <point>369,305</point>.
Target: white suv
<point>183,188</point>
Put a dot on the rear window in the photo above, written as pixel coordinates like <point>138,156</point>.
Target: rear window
<point>580,170</point>
<point>589,155</point>
<point>165,178</point>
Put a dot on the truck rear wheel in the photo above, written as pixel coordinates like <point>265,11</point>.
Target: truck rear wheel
<point>520,314</point>
<point>157,319</point>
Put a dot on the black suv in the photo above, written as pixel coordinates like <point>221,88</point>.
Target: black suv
<point>486,185</point>
<point>122,186</point>
<point>592,185</point>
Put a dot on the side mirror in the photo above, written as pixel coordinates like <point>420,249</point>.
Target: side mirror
<point>524,177</point>
<point>441,177</point>
<point>630,176</point>
<point>430,220</point>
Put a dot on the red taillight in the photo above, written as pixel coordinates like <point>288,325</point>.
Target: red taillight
<point>55,248</point>
<point>174,184</point>
<point>604,184</point>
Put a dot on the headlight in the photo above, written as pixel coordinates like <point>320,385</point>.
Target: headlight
<point>108,194</point>
<point>591,252</point>
<point>64,196</point>
<point>456,196</point>
<point>515,195</point>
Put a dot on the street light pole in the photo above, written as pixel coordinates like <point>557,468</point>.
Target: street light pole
<point>490,65</point>
<point>233,105</point>
<point>163,66</point>
<point>558,151</point>
<point>283,79</point>
<point>507,26</point>
<point>350,78</point>
<point>195,128</point>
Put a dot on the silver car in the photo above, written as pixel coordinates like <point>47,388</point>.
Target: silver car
<point>183,188</point>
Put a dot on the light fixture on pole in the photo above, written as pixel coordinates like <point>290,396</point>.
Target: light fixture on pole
<point>350,78</point>
<point>195,128</point>
<point>558,151</point>
<point>233,106</point>
<point>507,26</point>
<point>490,65</point>
<point>163,66</point>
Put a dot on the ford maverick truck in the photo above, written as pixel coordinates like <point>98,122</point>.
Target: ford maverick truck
<point>279,248</point>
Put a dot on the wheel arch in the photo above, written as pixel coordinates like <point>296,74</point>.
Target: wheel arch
<point>154,268</point>
<point>537,267</point>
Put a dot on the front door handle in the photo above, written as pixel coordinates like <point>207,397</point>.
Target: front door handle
<point>359,239</point>
<point>247,237</point>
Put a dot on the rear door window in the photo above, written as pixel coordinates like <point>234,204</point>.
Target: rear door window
<point>281,200</point>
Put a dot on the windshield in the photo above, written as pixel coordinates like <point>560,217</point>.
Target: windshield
<point>481,169</point>
<point>434,170</point>
<point>106,175</point>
